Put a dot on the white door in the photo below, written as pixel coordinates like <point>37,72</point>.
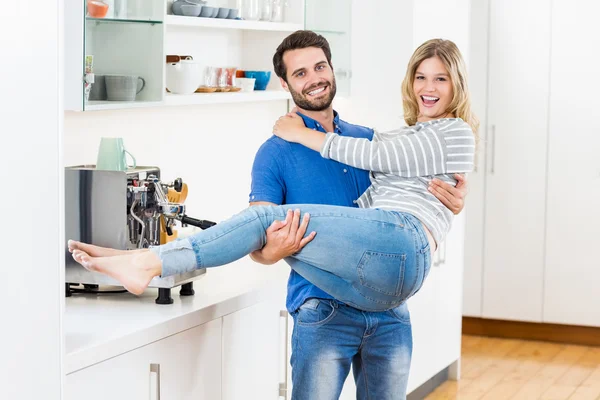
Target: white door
<point>516,159</point>
<point>252,352</point>
<point>572,259</point>
<point>475,202</point>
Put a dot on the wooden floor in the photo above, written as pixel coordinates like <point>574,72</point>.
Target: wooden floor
<point>515,369</point>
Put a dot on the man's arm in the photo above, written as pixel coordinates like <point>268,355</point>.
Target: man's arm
<point>450,196</point>
<point>284,238</point>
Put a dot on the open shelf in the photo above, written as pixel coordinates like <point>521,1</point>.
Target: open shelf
<point>220,23</point>
<point>122,21</point>
<point>225,98</point>
<point>116,105</point>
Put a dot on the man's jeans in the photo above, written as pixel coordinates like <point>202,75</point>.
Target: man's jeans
<point>328,337</point>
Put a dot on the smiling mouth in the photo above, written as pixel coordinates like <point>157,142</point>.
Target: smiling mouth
<point>317,91</point>
<point>429,101</point>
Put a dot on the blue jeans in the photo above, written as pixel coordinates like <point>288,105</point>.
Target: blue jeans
<point>368,258</point>
<point>328,337</point>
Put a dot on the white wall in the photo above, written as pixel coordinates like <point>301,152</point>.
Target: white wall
<point>32,202</point>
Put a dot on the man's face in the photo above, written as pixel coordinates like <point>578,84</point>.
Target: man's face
<point>310,78</point>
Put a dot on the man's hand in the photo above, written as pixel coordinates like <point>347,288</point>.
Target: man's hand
<point>284,238</point>
<point>452,197</point>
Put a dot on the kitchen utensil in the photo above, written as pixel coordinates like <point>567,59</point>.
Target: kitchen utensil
<point>262,78</point>
<point>171,58</point>
<point>246,84</point>
<point>191,10</point>
<point>183,77</point>
<point>177,197</point>
<point>207,12</point>
<point>233,13</point>
<point>98,90</point>
<point>112,155</point>
<point>123,87</point>
<point>97,8</point>
<point>223,12</point>
<point>205,89</point>
<point>266,10</point>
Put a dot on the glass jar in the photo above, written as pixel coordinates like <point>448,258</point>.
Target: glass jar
<point>266,10</point>
<point>251,10</point>
<point>279,6</point>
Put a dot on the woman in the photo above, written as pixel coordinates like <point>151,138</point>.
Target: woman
<point>389,239</point>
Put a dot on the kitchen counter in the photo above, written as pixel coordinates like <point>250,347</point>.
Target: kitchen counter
<point>99,327</point>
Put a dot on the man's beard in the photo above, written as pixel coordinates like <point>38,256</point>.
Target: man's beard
<point>314,105</point>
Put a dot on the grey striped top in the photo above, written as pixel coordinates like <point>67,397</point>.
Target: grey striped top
<point>403,162</point>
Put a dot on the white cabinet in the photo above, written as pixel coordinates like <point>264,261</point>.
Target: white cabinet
<point>541,176</point>
<point>515,168</point>
<point>184,366</point>
<point>254,352</point>
<point>241,355</point>
<point>572,261</point>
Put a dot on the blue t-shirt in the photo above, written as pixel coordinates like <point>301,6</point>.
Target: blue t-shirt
<point>289,173</point>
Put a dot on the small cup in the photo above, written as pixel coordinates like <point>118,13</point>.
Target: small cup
<point>223,12</point>
<point>112,155</point>
<point>98,90</point>
<point>123,87</point>
<point>207,11</point>
<point>233,13</point>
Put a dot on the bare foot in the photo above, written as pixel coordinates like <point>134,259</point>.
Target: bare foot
<point>134,270</point>
<point>97,251</point>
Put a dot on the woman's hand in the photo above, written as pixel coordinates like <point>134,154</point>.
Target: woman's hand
<point>290,127</point>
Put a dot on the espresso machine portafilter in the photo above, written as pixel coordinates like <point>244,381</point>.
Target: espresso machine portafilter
<point>125,210</point>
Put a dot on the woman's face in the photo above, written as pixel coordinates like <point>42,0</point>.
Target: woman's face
<point>433,89</point>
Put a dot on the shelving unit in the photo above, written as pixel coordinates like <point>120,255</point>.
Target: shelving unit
<point>225,98</point>
<point>220,23</point>
<point>137,46</point>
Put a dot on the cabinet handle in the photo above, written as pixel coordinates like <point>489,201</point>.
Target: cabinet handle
<point>493,161</point>
<point>155,369</point>
<point>283,385</point>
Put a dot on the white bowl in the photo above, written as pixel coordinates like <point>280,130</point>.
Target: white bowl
<point>247,84</point>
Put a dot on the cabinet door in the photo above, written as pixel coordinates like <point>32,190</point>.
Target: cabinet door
<point>337,31</point>
<point>448,297</point>
<point>183,366</point>
<point>516,160</point>
<point>252,352</point>
<point>572,258</point>
<point>190,363</point>
<point>127,376</point>
<point>125,41</point>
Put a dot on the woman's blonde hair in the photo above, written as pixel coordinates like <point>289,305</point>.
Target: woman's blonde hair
<point>450,56</point>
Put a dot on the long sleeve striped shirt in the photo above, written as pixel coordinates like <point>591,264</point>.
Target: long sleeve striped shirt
<point>403,162</point>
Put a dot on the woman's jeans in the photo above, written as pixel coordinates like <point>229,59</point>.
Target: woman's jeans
<point>370,259</point>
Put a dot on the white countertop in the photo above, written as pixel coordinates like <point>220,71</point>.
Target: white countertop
<point>99,327</point>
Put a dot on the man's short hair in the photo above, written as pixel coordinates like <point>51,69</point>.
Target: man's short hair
<point>299,40</point>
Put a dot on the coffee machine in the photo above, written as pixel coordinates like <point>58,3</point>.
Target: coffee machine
<point>124,210</point>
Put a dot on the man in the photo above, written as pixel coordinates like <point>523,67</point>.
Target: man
<point>328,335</point>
